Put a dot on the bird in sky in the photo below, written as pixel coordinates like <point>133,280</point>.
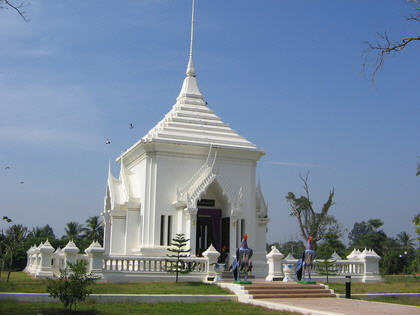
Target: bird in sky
<point>21,182</point>
<point>107,142</point>
<point>6,168</point>
<point>131,125</point>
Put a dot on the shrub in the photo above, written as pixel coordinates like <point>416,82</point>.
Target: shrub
<point>72,286</point>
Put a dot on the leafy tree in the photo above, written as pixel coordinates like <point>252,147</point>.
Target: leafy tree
<point>2,245</point>
<point>368,235</point>
<point>416,221</point>
<point>310,222</point>
<point>73,230</point>
<point>405,240</point>
<point>93,230</point>
<point>42,232</point>
<point>6,219</point>
<point>72,286</point>
<point>295,248</point>
<point>331,243</point>
<point>178,252</point>
<point>14,240</point>
<point>327,267</point>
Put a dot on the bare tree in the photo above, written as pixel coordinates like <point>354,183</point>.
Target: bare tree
<point>376,52</point>
<point>310,222</point>
<point>17,6</point>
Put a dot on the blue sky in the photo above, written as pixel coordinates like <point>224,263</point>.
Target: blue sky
<point>284,74</point>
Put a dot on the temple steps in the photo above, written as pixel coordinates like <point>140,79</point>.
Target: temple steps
<point>265,290</point>
<point>299,295</point>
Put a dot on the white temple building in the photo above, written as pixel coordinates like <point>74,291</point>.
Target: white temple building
<point>192,174</point>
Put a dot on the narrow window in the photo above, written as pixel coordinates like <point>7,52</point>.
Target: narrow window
<point>169,237</point>
<point>162,227</point>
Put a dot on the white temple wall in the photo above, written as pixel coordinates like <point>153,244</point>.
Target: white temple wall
<point>174,170</point>
<point>118,233</point>
<point>150,215</point>
<point>132,229</point>
<point>138,176</point>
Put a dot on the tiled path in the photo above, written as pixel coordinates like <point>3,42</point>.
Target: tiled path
<point>340,306</point>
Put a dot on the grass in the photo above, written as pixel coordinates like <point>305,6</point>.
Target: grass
<point>391,284</point>
<point>405,300</point>
<point>208,308</point>
<point>21,282</point>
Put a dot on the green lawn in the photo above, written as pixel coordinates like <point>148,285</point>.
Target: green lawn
<point>209,308</point>
<point>21,282</point>
<point>391,284</point>
<point>406,300</point>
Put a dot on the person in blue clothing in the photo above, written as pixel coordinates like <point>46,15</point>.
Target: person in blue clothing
<point>234,268</point>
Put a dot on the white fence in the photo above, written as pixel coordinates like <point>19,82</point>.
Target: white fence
<point>361,266</point>
<point>44,261</point>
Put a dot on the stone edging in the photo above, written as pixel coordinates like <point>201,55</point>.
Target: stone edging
<point>365,295</point>
<point>118,298</point>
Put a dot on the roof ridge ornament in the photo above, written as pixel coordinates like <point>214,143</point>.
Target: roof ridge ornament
<point>190,68</point>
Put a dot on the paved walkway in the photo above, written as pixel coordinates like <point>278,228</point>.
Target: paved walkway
<point>337,306</point>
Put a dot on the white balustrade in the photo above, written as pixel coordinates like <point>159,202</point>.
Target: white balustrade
<point>362,266</point>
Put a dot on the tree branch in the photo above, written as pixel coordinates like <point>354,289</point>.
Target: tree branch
<point>17,7</point>
<point>384,47</point>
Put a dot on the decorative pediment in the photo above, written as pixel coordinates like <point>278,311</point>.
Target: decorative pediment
<point>118,194</point>
<point>193,190</point>
<point>262,207</point>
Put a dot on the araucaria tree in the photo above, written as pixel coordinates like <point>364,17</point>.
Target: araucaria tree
<point>310,222</point>
<point>177,265</point>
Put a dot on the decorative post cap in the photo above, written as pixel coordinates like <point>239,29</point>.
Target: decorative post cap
<point>71,247</point>
<point>95,246</point>
<point>355,254</point>
<point>46,247</point>
<point>335,256</point>
<point>369,254</point>
<point>211,251</point>
<point>290,257</point>
<point>274,253</point>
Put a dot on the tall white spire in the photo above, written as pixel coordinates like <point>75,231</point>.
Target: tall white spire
<point>190,86</point>
<point>190,68</point>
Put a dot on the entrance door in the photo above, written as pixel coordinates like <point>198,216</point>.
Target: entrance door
<point>209,230</point>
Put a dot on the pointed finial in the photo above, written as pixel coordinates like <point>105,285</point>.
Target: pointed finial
<point>190,68</point>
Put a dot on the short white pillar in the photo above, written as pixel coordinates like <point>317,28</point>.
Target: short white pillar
<point>274,261</point>
<point>211,255</point>
<point>288,269</point>
<point>370,266</point>
<point>29,260</point>
<point>44,269</point>
<point>95,254</point>
<point>70,253</point>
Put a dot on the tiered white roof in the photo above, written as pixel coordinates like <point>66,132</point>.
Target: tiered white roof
<point>191,121</point>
